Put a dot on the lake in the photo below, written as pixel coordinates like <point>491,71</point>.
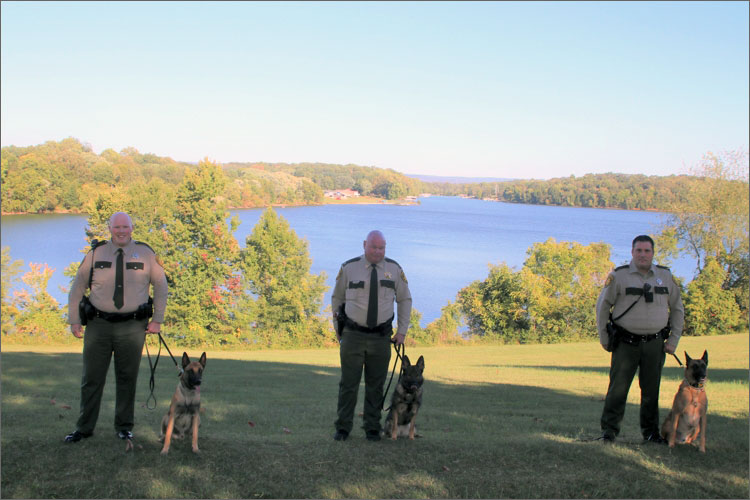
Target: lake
<point>443,244</point>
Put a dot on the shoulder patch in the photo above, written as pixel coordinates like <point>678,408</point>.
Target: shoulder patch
<point>392,262</point>
<point>355,259</point>
<point>403,276</point>
<point>609,281</point>
<point>145,245</point>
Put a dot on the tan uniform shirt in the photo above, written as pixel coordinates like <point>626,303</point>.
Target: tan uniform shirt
<point>353,288</point>
<point>644,318</point>
<point>141,269</point>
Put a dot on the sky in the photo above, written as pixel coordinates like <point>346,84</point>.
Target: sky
<point>483,89</point>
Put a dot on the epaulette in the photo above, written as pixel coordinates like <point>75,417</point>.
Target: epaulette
<point>662,267</point>
<point>144,244</point>
<point>355,259</point>
<point>96,243</point>
<point>392,262</point>
<point>624,266</point>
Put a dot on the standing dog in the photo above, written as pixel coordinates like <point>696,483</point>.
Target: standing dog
<point>184,411</point>
<point>407,398</point>
<point>688,416</point>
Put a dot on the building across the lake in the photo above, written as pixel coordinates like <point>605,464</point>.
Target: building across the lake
<point>341,194</point>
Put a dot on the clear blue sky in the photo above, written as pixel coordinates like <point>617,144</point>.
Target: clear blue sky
<point>501,89</point>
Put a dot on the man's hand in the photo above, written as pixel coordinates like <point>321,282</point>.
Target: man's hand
<point>153,327</point>
<point>398,339</point>
<point>669,349</point>
<point>77,330</point>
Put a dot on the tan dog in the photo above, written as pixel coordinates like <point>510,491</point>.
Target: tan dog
<point>184,411</point>
<point>687,419</point>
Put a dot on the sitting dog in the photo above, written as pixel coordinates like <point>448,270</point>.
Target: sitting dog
<point>688,416</point>
<point>184,410</point>
<point>407,398</point>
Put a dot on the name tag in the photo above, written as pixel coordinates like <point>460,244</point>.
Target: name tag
<point>356,284</point>
<point>134,265</point>
<point>661,289</point>
<point>633,291</point>
<point>388,284</point>
<point>102,264</point>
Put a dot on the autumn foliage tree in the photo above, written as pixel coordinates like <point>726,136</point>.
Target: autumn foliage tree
<point>276,269</point>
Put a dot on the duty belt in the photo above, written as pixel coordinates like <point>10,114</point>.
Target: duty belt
<point>380,329</point>
<point>115,317</point>
<point>633,339</point>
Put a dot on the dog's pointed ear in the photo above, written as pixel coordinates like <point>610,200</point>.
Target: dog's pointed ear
<point>705,357</point>
<point>405,361</point>
<point>185,360</point>
<point>688,359</point>
<point>202,361</point>
<point>420,363</point>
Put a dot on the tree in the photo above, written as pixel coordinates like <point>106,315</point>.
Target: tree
<point>709,308</point>
<point>495,307</point>
<point>276,270</point>
<point>712,222</point>
<point>445,329</point>
<point>551,299</point>
<point>39,313</point>
<point>199,256</point>
<point>10,270</point>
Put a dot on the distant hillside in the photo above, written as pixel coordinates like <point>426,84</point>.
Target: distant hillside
<point>457,180</point>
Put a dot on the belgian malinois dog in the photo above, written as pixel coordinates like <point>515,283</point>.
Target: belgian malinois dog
<point>184,410</point>
<point>687,419</point>
<point>407,398</point>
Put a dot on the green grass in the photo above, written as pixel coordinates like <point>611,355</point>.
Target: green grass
<point>497,422</point>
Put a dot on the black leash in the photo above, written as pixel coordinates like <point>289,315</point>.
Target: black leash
<point>400,353</point>
<point>152,380</point>
<point>675,357</point>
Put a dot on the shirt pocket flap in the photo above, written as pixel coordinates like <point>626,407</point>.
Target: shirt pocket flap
<point>102,264</point>
<point>134,265</point>
<point>388,284</point>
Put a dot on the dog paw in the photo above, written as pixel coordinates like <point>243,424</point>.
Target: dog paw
<point>164,452</point>
<point>196,451</point>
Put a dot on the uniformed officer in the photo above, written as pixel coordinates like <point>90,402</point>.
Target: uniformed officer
<point>123,270</point>
<point>366,287</point>
<point>644,302</point>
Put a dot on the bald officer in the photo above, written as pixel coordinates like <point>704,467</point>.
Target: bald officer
<point>123,270</point>
<point>643,301</point>
<point>367,286</point>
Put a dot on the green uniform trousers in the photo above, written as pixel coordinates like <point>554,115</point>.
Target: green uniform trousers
<point>101,339</point>
<point>648,359</point>
<point>372,351</point>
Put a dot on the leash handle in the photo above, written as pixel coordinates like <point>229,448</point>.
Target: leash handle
<point>152,379</point>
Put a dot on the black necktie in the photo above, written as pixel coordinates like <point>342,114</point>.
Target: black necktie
<point>372,305</point>
<point>118,281</point>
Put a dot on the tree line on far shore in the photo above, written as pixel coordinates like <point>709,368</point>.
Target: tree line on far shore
<point>67,176</point>
<point>263,296</point>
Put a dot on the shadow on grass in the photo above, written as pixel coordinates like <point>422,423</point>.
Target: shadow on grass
<point>674,372</point>
<point>267,427</point>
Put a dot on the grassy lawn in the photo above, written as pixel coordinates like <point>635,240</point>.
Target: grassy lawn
<point>497,422</point>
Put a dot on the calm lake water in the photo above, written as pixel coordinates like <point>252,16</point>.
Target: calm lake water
<point>443,244</point>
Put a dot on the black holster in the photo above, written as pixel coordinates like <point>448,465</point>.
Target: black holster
<point>86,310</point>
<point>613,335</point>
<point>145,310</point>
<point>341,319</point>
